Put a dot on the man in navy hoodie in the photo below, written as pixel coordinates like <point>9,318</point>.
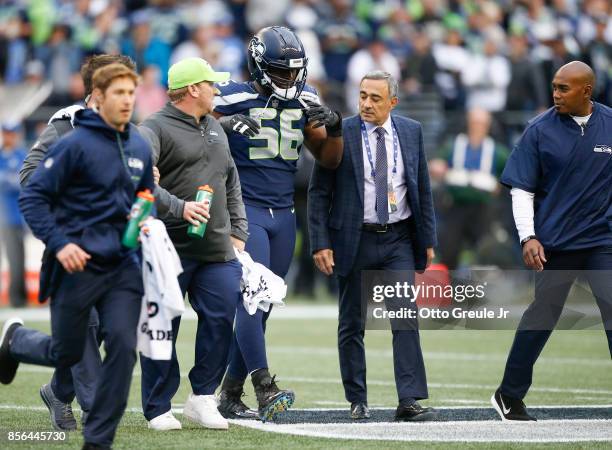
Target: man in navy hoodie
<point>79,380</point>
<point>77,202</point>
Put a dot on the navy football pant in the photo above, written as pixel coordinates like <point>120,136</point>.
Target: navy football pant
<point>214,291</point>
<point>80,379</point>
<point>117,295</point>
<point>271,243</point>
<point>552,287</point>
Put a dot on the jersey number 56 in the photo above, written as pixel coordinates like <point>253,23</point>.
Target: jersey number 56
<point>285,140</point>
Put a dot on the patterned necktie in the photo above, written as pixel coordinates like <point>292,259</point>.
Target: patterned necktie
<point>380,181</point>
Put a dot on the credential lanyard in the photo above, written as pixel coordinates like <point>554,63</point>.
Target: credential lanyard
<point>366,139</point>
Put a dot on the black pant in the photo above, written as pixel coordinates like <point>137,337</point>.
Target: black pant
<point>117,295</point>
<point>12,240</point>
<point>80,380</point>
<point>552,287</point>
<point>378,251</point>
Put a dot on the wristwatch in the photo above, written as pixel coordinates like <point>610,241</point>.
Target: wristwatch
<point>527,239</point>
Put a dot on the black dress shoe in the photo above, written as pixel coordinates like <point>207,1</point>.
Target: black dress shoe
<point>360,411</point>
<point>413,413</point>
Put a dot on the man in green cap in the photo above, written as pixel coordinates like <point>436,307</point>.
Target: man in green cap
<point>191,150</point>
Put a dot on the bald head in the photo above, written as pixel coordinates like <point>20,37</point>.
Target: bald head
<point>572,88</point>
<point>578,70</point>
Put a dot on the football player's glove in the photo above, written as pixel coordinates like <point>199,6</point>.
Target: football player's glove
<point>321,115</point>
<point>239,123</point>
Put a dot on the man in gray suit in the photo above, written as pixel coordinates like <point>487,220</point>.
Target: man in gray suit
<point>375,212</point>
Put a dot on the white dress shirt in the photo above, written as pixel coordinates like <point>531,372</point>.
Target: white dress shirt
<point>399,179</point>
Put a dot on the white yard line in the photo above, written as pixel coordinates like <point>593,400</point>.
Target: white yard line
<point>440,356</point>
<point>489,387</point>
<point>458,431</point>
<point>451,385</point>
<point>487,406</point>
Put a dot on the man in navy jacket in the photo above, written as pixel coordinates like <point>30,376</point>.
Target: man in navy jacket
<point>560,173</point>
<point>77,202</point>
<point>375,212</point>
<point>79,380</point>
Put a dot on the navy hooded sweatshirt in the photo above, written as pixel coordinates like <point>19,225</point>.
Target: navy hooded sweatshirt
<point>83,190</point>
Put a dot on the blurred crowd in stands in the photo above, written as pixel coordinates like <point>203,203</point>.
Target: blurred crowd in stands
<point>473,52</point>
<point>493,58</point>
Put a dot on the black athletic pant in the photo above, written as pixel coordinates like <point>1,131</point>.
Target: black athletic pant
<point>80,380</point>
<point>552,287</point>
<point>117,295</point>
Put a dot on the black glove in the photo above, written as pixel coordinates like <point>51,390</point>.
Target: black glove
<point>321,115</point>
<point>239,123</point>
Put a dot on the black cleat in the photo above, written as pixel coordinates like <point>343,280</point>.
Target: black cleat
<point>231,405</point>
<point>62,417</point>
<point>272,400</point>
<point>8,364</point>
<point>360,411</point>
<point>414,413</point>
<point>510,409</point>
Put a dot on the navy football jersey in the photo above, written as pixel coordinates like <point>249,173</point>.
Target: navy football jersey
<point>267,162</point>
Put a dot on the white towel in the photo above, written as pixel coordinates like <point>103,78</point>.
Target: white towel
<point>259,285</point>
<point>162,300</point>
<point>66,113</point>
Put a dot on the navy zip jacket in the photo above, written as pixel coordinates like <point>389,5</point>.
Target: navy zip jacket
<point>569,169</point>
<point>83,190</point>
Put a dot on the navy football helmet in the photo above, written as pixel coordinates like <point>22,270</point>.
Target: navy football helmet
<point>277,61</point>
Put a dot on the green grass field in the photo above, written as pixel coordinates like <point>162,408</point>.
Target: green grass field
<point>463,367</point>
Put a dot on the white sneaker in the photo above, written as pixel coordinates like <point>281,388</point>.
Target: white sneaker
<point>202,409</point>
<point>165,422</point>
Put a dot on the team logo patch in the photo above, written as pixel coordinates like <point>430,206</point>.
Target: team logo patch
<point>602,149</point>
<point>257,48</point>
<point>213,133</point>
<point>48,163</point>
<point>135,163</point>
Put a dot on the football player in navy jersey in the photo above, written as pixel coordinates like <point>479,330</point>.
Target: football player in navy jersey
<point>267,120</point>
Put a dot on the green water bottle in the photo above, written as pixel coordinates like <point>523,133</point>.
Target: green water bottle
<point>140,210</point>
<point>204,193</point>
